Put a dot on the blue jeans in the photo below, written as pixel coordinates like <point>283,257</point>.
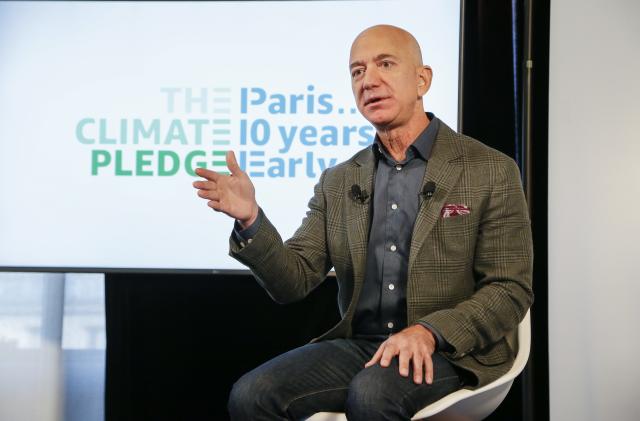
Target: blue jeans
<point>330,376</point>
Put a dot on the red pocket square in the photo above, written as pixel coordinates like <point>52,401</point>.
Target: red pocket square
<point>450,210</point>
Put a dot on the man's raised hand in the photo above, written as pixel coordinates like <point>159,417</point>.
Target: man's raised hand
<point>232,194</point>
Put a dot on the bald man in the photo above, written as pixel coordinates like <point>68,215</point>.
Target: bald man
<point>430,239</point>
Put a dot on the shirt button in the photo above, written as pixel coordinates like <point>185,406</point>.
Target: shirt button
<point>242,244</point>
<point>393,247</point>
<point>391,287</point>
<point>394,206</point>
<point>398,167</point>
<point>390,325</point>
<point>249,240</point>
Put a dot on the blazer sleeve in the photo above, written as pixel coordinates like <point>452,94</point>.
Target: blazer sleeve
<point>289,270</point>
<point>503,265</point>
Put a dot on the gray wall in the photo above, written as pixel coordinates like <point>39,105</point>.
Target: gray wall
<point>594,209</point>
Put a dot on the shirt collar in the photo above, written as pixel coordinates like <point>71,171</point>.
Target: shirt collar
<point>420,147</point>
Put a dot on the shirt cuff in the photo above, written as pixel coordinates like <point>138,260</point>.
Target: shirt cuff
<point>441,343</point>
<point>245,236</point>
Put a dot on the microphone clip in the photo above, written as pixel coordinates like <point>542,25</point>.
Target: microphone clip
<point>428,190</point>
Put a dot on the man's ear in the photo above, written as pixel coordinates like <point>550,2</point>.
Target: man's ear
<point>424,79</point>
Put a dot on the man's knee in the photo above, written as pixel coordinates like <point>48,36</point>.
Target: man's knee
<point>252,397</point>
<point>240,398</point>
<point>370,399</point>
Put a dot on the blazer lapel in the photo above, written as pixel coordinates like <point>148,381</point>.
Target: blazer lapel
<point>444,170</point>
<point>358,214</point>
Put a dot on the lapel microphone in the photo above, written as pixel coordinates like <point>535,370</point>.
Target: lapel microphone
<point>428,189</point>
<point>358,194</point>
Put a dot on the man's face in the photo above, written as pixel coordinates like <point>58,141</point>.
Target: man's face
<point>386,78</point>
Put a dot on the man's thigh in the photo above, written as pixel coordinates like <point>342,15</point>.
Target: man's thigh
<point>322,376</point>
<point>305,380</point>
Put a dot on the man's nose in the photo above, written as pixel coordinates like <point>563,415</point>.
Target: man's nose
<point>371,78</point>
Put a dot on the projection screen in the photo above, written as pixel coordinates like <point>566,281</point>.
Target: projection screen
<point>106,109</point>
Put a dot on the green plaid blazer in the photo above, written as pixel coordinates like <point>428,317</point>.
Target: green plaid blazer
<point>469,275</point>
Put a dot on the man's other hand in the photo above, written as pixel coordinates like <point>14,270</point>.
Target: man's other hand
<point>232,194</point>
<point>414,345</point>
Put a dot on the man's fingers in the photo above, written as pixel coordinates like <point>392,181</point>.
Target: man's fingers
<point>208,174</point>
<point>418,368</point>
<point>429,369</point>
<point>403,362</point>
<point>215,205</point>
<point>387,356</point>
<point>205,185</point>
<point>209,194</point>
<point>376,356</point>
<point>232,164</point>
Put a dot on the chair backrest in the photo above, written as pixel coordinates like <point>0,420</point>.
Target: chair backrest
<point>475,405</point>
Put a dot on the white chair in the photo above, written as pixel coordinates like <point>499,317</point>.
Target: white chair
<point>464,404</point>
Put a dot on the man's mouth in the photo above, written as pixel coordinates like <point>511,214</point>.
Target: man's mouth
<point>374,100</point>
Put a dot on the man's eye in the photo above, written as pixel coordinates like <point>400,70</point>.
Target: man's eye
<point>386,64</point>
<point>356,72</point>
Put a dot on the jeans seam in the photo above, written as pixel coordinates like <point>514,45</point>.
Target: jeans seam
<point>286,408</point>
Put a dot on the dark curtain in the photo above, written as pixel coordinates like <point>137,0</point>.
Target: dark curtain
<point>177,343</point>
<point>493,95</point>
